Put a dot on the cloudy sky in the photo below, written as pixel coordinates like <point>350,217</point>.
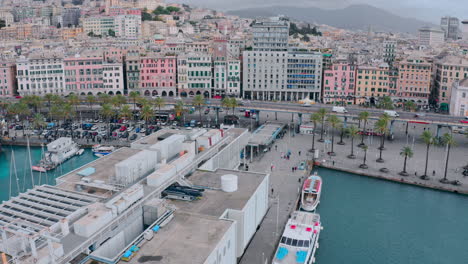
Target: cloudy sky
<point>428,10</point>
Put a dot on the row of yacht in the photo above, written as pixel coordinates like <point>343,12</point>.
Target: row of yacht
<point>299,240</point>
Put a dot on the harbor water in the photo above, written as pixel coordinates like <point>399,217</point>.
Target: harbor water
<point>370,221</point>
<point>11,181</point>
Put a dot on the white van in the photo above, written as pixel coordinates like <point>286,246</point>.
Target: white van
<point>339,109</point>
<point>391,113</point>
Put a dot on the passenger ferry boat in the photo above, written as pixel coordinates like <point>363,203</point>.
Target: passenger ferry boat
<point>57,152</point>
<point>299,240</point>
<point>101,151</point>
<point>311,190</point>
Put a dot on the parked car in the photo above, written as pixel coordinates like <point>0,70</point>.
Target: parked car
<point>391,113</point>
<point>339,109</point>
<point>137,130</point>
<point>143,130</point>
<point>133,136</point>
<point>207,111</point>
<point>18,127</point>
<point>94,128</point>
<point>123,128</point>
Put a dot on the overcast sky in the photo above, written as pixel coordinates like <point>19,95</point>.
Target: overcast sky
<point>429,10</point>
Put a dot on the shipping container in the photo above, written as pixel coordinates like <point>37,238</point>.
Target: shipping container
<point>131,169</point>
<point>98,216</point>
<point>160,176</point>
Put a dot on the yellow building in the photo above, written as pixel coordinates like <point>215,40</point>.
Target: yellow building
<point>71,33</point>
<point>372,82</point>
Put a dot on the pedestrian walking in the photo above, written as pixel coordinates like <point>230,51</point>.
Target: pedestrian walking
<point>415,173</point>
<point>433,173</point>
<point>292,169</point>
<point>333,163</point>
<point>271,191</point>
<point>299,152</point>
<point>276,148</point>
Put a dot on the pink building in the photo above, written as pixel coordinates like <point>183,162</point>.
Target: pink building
<point>8,86</point>
<point>158,75</point>
<point>339,83</point>
<point>117,11</point>
<point>90,74</point>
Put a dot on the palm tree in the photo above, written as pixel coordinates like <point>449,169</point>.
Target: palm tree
<point>38,121</point>
<point>406,152</point>
<point>343,130</point>
<point>56,112</point>
<point>68,113</point>
<point>74,101</point>
<point>133,95</point>
<point>180,109</point>
<point>322,112</point>
<point>107,113</point>
<point>146,114</point>
<point>386,102</point>
<point>449,141</point>
<point>49,98</point>
<point>125,112</point>
<point>230,103</point>
<point>118,100</point>
<point>315,118</point>
<point>90,99</point>
<point>32,101</point>
<point>409,106</point>
<point>353,130</point>
<point>428,139</point>
<point>385,119</point>
<point>381,127</point>
<point>363,116</point>
<point>364,165</point>
<point>22,111</point>
<point>199,102</point>
<point>104,99</point>
<point>334,122</point>
<point>159,102</point>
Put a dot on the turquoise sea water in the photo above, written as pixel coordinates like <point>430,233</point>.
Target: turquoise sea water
<point>22,178</point>
<point>370,221</point>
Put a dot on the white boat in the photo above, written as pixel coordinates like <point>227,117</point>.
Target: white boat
<point>58,151</point>
<point>299,240</point>
<point>101,151</point>
<point>311,190</point>
<point>80,152</point>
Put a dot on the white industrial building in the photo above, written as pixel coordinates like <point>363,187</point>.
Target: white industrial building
<point>112,208</point>
<point>431,37</point>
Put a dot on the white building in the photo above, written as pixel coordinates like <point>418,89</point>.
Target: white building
<point>128,26</point>
<point>464,29</point>
<point>431,37</point>
<point>41,74</point>
<point>459,98</point>
<point>98,25</point>
<point>113,78</point>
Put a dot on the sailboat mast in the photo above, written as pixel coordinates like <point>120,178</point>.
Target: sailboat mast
<point>30,163</point>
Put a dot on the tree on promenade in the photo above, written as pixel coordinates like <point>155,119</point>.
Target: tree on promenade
<point>118,100</point>
<point>133,95</point>
<point>353,131</point>
<point>38,121</point>
<point>428,139</point>
<point>382,129</point>
<point>20,110</point>
<point>68,113</point>
<point>406,152</point>
<point>315,118</point>
<point>146,113</point>
<point>180,110</point>
<point>104,99</point>
<point>91,100</point>
<point>364,165</point>
<point>159,102</point>
<point>74,101</point>
<point>322,112</point>
<point>230,103</point>
<point>364,117</point>
<point>107,113</point>
<point>199,102</point>
<point>334,122</point>
<point>32,101</point>
<point>449,141</point>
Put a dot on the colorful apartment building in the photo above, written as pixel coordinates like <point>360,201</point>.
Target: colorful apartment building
<point>372,83</point>
<point>88,73</point>
<point>448,70</point>
<point>7,79</point>
<point>414,81</point>
<point>194,74</point>
<point>339,83</point>
<point>158,75</point>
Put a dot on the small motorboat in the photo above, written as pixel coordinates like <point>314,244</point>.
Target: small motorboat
<point>80,152</point>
